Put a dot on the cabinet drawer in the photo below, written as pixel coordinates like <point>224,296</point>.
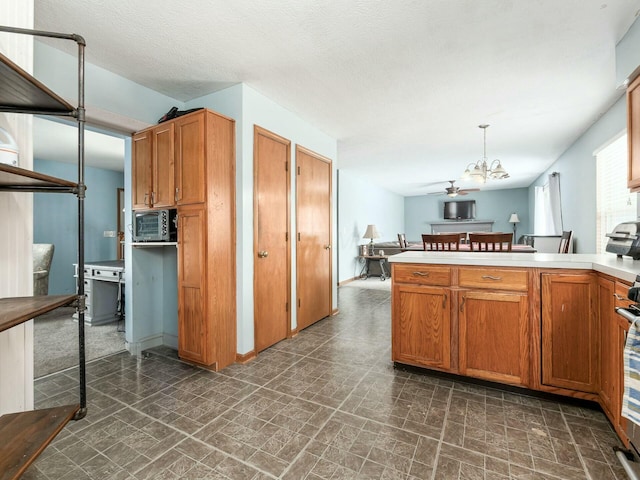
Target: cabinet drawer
<point>422,274</point>
<point>499,279</point>
<point>107,275</point>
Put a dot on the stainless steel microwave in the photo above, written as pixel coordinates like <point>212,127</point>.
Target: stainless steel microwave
<point>155,226</point>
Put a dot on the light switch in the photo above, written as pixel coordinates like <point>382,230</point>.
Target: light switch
<point>109,233</point>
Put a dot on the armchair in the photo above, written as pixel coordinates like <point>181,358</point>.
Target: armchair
<point>42,256</point>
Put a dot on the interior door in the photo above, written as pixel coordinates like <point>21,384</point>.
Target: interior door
<point>272,277</point>
<point>313,253</point>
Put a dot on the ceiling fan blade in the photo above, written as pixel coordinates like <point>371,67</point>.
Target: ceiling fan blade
<point>436,193</point>
<point>467,190</point>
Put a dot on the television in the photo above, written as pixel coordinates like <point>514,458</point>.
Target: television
<point>461,210</point>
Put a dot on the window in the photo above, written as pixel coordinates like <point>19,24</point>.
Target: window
<point>614,203</point>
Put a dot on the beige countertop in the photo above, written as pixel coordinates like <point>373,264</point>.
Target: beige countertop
<point>623,268</point>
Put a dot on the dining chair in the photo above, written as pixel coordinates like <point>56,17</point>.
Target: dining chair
<point>441,241</point>
<point>490,242</point>
<point>402,239</point>
<point>565,241</point>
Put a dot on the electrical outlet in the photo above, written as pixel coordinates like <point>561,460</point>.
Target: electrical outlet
<point>109,233</point>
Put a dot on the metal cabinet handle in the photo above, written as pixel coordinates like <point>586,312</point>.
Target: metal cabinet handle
<point>153,197</point>
<point>464,299</point>
<point>489,277</point>
<point>420,274</point>
<point>263,254</point>
<point>175,196</point>
<point>618,296</point>
<point>146,199</point>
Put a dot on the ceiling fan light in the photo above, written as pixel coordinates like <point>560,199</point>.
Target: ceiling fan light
<point>452,194</point>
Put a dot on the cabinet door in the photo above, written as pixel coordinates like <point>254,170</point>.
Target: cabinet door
<point>192,328</point>
<point>141,152</point>
<point>494,335</point>
<point>163,192</point>
<point>620,423</point>
<point>608,346</point>
<point>421,326</point>
<point>633,132</point>
<point>190,159</point>
<point>570,331</point>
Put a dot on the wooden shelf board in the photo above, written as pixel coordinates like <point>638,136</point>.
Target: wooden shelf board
<point>16,310</point>
<point>24,435</point>
<point>19,91</point>
<point>23,179</point>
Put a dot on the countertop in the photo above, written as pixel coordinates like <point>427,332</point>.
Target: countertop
<point>624,268</point>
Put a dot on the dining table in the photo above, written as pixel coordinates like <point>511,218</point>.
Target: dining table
<point>466,247</point>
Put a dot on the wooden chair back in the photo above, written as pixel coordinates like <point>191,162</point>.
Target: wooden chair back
<point>402,239</point>
<point>565,241</point>
<point>441,241</point>
<point>490,242</point>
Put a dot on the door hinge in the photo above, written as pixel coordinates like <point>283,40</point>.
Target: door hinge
<point>286,236</point>
<point>286,307</point>
<point>298,303</point>
<point>298,170</point>
<point>286,165</point>
<point>298,236</point>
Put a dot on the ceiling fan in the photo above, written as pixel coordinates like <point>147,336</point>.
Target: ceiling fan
<point>454,191</point>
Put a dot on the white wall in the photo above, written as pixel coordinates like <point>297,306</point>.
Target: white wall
<point>16,234</point>
<point>361,204</point>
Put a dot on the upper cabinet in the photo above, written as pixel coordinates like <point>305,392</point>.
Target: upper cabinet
<point>168,163</point>
<point>633,134</point>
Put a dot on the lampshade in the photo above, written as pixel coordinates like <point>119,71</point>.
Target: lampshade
<point>514,218</point>
<point>372,232</point>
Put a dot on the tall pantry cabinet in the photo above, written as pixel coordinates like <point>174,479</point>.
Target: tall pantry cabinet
<point>202,151</point>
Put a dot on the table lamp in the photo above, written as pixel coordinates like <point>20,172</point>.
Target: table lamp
<point>515,220</point>
<point>371,233</point>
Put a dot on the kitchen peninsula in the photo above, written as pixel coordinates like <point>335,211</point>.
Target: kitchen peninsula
<point>545,322</point>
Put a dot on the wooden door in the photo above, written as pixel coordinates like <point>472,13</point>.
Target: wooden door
<point>313,220</point>
<point>570,347</point>
<point>191,292</point>
<point>494,335</point>
<point>141,152</point>
<point>272,277</point>
<point>421,326</point>
<point>608,345</point>
<point>162,194</point>
<point>190,159</point>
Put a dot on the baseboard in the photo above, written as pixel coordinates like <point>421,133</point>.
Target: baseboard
<point>344,282</point>
<point>335,312</point>
<point>245,357</point>
<point>170,340</point>
<point>136,348</point>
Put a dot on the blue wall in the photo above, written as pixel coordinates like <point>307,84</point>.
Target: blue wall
<point>496,205</point>
<point>362,203</point>
<point>55,220</point>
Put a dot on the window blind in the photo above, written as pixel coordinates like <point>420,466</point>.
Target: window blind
<point>614,203</point>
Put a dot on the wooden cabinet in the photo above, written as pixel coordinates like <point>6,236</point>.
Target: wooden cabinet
<point>190,158</point>
<point>633,134</point>
<point>619,422</point>
<point>494,325</point>
<point>570,347</point>
<point>421,325</point>
<point>204,191</point>
<point>152,163</point>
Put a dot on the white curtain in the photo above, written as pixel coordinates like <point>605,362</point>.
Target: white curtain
<point>548,208</point>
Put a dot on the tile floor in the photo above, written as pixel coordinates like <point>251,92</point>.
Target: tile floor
<point>326,405</point>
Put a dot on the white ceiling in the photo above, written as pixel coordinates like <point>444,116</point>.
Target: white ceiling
<point>402,84</point>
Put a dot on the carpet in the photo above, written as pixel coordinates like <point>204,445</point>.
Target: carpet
<point>56,341</point>
<point>370,283</point>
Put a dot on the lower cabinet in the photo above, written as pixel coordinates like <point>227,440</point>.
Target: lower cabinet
<point>193,329</point>
<point>422,325</point>
<point>619,422</point>
<point>570,347</point>
<point>494,339</point>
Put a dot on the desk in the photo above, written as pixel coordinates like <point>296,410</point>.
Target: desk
<point>103,288</point>
<point>465,247</point>
<point>382,259</point>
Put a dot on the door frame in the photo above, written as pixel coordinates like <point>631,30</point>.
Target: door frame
<point>257,130</point>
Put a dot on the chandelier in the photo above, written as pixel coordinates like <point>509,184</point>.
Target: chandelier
<point>480,170</point>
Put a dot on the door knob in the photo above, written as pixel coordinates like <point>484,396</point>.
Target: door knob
<point>263,254</point>
<point>327,247</point>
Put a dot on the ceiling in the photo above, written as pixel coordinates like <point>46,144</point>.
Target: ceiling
<point>402,85</point>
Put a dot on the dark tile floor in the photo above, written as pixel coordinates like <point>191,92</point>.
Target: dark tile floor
<point>327,404</point>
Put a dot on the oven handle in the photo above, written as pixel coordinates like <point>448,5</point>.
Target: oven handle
<point>626,314</point>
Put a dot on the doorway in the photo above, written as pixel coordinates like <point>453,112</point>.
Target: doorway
<point>271,246</point>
